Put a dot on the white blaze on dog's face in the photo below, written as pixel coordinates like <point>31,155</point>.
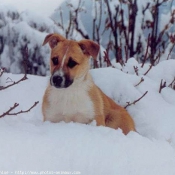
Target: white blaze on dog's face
<point>69,60</point>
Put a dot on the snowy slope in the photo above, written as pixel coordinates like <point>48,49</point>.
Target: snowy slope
<point>28,144</point>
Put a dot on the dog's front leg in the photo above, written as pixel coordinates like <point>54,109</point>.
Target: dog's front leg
<point>100,120</point>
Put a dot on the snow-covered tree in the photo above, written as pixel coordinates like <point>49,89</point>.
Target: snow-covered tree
<point>21,38</point>
<point>133,28</point>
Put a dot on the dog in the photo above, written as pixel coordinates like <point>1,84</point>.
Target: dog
<point>71,94</point>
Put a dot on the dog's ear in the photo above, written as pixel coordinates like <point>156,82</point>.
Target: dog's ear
<point>53,39</point>
<point>89,48</point>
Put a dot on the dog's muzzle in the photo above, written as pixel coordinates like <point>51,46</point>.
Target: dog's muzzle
<point>60,81</point>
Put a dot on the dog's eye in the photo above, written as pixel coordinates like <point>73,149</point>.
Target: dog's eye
<point>55,60</point>
<point>71,63</point>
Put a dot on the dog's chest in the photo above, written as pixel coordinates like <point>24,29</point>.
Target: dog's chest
<point>73,104</point>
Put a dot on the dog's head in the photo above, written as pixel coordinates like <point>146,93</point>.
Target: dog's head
<point>69,60</point>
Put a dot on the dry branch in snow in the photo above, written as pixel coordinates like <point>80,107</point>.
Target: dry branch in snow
<point>172,84</point>
<point>14,83</point>
<point>134,102</point>
<point>148,69</point>
<point>136,70</point>
<point>162,85</point>
<point>8,112</point>
<point>2,71</point>
<point>142,79</point>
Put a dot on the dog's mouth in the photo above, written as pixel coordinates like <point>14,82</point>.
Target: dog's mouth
<point>60,81</point>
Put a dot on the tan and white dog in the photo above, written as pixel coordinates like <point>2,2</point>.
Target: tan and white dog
<point>71,94</point>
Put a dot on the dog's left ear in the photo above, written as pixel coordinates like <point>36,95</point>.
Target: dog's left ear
<point>89,48</point>
<point>53,39</point>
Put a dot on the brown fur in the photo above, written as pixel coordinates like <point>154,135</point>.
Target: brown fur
<point>106,111</point>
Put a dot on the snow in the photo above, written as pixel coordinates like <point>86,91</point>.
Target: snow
<point>28,144</point>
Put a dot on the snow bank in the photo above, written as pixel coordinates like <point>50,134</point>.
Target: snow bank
<point>28,144</point>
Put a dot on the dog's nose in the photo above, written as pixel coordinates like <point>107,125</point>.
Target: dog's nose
<point>57,80</point>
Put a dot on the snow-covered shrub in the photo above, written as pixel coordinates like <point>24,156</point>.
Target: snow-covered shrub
<point>21,37</point>
<point>134,28</point>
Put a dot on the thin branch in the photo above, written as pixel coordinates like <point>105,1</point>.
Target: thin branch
<point>133,103</point>
<point>170,51</point>
<point>69,26</point>
<point>136,70</point>
<point>172,83</point>
<point>126,54</point>
<point>20,112</point>
<point>14,83</point>
<point>61,18</point>
<point>106,59</point>
<point>142,80</point>
<point>146,54</point>
<point>162,85</point>
<point>11,109</point>
<point>157,59</point>
<point>2,71</point>
<point>148,69</point>
<point>76,22</point>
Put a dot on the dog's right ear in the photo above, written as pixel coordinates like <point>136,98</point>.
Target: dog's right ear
<point>89,48</point>
<point>53,39</point>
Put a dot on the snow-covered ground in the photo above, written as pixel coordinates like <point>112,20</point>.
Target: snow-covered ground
<point>29,145</point>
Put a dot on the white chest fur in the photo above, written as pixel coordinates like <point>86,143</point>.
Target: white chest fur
<point>70,104</point>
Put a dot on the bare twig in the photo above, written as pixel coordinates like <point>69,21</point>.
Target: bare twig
<point>76,21</point>
<point>126,54</point>
<point>139,82</point>
<point>148,69</point>
<point>157,59</point>
<point>11,109</point>
<point>96,64</point>
<point>106,59</point>
<point>2,71</point>
<point>136,70</point>
<point>69,26</point>
<point>133,103</point>
<point>20,112</point>
<point>162,85</point>
<point>9,80</point>
<point>172,83</point>
<point>170,51</point>
<point>14,83</point>
<point>145,57</point>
